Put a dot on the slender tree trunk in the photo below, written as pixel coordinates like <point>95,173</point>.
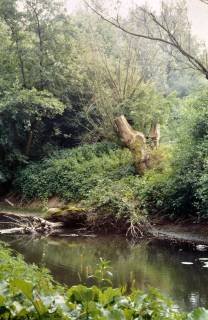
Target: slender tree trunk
<point>41,50</point>
<point>41,54</point>
<point>135,141</point>
<point>41,43</point>
<point>29,143</point>
<point>17,41</point>
<point>21,64</point>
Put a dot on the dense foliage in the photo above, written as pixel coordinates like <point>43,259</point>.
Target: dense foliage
<point>103,174</point>
<point>64,79</point>
<point>27,292</point>
<point>72,174</point>
<point>182,188</point>
<point>100,176</point>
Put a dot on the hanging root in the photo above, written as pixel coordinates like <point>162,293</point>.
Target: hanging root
<point>134,231</point>
<point>137,228</point>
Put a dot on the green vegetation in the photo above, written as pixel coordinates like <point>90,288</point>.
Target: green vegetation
<point>99,175</point>
<point>64,80</point>
<point>62,88</point>
<point>102,175</point>
<point>72,174</point>
<point>182,189</point>
<point>28,292</point>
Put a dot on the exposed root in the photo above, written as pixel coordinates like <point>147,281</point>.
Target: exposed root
<point>134,230</point>
<point>137,229</point>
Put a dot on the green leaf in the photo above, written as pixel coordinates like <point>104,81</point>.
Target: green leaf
<point>25,287</point>
<point>198,314</point>
<point>109,295</point>
<point>116,315</point>
<point>40,307</point>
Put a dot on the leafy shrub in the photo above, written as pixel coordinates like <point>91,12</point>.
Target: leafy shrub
<point>116,197</point>
<point>72,174</point>
<point>152,191</point>
<point>102,176</point>
<point>188,192</point>
<point>181,189</point>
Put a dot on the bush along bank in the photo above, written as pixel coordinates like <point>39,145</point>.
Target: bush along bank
<point>99,187</point>
<point>28,292</point>
<point>97,183</point>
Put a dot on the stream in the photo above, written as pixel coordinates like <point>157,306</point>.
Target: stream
<point>178,272</point>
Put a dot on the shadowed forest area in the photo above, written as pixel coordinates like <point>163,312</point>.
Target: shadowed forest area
<point>105,115</point>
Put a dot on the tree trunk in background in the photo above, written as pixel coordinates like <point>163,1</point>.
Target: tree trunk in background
<point>135,141</point>
<point>155,134</point>
<point>29,143</point>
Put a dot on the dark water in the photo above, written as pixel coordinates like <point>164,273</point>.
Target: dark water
<point>147,263</point>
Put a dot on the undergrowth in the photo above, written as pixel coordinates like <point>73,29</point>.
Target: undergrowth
<point>101,177</point>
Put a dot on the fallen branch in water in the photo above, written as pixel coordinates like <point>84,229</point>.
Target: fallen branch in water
<point>9,202</point>
<point>20,224</point>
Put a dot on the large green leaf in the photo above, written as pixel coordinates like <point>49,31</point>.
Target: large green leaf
<point>25,287</point>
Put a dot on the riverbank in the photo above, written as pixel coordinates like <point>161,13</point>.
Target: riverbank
<point>96,187</point>
<point>183,233</point>
<point>75,220</point>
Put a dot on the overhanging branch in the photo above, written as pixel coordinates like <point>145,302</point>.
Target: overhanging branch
<point>171,39</point>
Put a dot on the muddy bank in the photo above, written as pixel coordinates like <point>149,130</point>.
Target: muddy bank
<point>184,232</point>
<point>79,221</point>
<point>75,217</point>
<point>105,223</point>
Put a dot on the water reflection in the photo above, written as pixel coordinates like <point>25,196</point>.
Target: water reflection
<point>145,264</point>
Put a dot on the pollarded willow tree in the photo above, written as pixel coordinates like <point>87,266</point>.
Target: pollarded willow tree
<point>119,82</point>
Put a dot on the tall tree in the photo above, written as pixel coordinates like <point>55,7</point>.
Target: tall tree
<point>170,28</point>
<point>14,21</point>
<point>119,82</point>
<point>43,16</point>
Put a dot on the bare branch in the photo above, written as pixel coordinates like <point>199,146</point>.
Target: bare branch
<point>166,36</point>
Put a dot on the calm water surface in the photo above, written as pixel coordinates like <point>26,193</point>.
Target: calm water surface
<point>147,263</point>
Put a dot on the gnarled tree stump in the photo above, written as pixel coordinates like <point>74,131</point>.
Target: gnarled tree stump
<point>135,141</point>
